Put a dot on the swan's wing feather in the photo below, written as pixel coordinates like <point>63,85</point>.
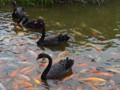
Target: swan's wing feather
<point>56,71</point>
<point>52,38</point>
<point>58,38</point>
<point>61,68</point>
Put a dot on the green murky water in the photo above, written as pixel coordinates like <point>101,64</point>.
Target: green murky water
<point>94,45</point>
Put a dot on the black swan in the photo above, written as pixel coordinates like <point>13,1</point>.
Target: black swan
<point>52,40</point>
<point>36,24</point>
<point>57,70</point>
<point>18,12</point>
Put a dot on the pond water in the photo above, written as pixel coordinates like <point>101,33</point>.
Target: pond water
<point>94,46</point>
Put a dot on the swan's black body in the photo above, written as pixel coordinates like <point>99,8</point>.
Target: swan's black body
<point>52,40</point>
<point>57,70</point>
<point>18,12</point>
<point>39,23</point>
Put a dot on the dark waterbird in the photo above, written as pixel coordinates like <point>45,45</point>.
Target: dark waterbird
<point>18,12</point>
<point>57,70</point>
<point>36,24</point>
<point>52,40</point>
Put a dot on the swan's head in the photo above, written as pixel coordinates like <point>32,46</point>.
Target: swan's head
<point>42,55</point>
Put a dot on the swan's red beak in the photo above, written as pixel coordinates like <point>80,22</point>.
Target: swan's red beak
<point>37,58</point>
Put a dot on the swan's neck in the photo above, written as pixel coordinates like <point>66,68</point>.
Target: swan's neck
<point>45,72</point>
<point>43,34</point>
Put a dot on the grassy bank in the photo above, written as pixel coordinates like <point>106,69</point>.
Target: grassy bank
<point>52,2</point>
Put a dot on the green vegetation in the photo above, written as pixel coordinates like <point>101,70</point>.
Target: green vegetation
<point>51,2</point>
<point>36,2</point>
